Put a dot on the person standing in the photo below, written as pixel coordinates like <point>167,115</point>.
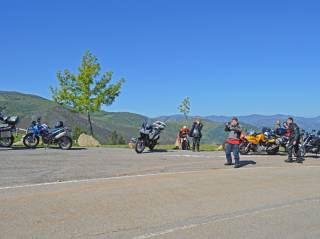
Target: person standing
<point>233,141</point>
<point>294,141</point>
<point>196,134</point>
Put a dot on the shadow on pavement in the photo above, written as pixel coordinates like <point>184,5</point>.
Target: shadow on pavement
<point>156,151</point>
<point>72,149</point>
<point>24,148</point>
<point>14,148</point>
<point>312,156</point>
<point>244,163</point>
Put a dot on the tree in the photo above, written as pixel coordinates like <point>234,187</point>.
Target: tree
<point>122,141</point>
<point>185,107</point>
<point>113,138</point>
<point>84,92</point>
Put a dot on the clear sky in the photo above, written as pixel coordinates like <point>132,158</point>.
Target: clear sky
<point>230,57</point>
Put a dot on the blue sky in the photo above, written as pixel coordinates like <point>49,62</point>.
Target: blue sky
<point>229,57</point>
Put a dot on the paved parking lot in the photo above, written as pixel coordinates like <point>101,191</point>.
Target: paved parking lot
<point>115,193</point>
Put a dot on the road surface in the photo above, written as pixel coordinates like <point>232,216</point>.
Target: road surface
<point>106,193</point>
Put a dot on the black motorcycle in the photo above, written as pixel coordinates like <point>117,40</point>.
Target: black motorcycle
<point>310,143</point>
<point>7,128</point>
<point>58,135</point>
<point>149,136</point>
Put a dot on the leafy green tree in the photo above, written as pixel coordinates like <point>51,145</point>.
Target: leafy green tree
<point>86,91</point>
<point>113,138</point>
<point>185,107</point>
<point>121,140</point>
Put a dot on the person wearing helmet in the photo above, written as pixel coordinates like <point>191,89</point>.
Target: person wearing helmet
<point>196,134</point>
<point>233,141</point>
<point>294,141</point>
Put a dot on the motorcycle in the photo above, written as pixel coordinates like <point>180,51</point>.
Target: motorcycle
<point>310,143</point>
<point>282,138</point>
<point>259,142</point>
<point>7,128</point>
<point>149,136</point>
<point>185,144</point>
<point>57,136</point>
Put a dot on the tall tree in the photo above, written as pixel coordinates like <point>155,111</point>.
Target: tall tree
<point>86,91</point>
<point>113,139</point>
<point>185,107</point>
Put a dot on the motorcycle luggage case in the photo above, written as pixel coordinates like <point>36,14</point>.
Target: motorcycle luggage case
<point>5,132</point>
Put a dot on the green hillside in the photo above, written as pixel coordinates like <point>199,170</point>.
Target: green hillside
<point>27,107</point>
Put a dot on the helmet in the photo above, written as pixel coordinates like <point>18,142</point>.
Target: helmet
<point>59,124</point>
<point>184,127</point>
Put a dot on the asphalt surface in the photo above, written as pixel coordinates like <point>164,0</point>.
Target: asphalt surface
<point>115,193</point>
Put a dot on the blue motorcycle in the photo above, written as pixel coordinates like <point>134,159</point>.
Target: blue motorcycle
<point>57,136</point>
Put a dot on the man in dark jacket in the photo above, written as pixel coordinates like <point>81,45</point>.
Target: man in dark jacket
<point>294,141</point>
<point>196,134</point>
<point>233,142</point>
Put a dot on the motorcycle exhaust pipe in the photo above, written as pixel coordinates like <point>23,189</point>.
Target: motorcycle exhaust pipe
<point>58,136</point>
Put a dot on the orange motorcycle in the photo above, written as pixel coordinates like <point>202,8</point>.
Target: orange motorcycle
<point>259,142</point>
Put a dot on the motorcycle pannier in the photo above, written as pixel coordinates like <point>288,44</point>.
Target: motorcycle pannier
<point>5,133</point>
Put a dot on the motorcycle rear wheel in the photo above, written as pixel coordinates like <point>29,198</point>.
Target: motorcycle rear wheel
<point>65,143</point>
<point>152,146</point>
<point>140,146</point>
<point>6,142</point>
<point>31,141</point>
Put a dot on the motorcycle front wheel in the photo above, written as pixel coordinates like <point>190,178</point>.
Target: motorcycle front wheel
<point>6,142</point>
<point>31,141</point>
<point>65,143</point>
<point>140,146</point>
<point>244,148</point>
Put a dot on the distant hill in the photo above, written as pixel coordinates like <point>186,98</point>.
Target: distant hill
<point>269,120</point>
<point>28,107</point>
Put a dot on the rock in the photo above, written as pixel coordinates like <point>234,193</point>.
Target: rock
<point>221,148</point>
<point>85,140</point>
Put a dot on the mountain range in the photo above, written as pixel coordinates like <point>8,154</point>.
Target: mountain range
<point>29,107</point>
<point>126,124</point>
